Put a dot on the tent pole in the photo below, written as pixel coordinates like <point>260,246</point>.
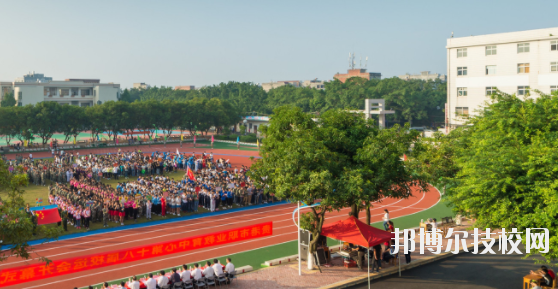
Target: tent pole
<point>368,267</point>
<point>299,261</point>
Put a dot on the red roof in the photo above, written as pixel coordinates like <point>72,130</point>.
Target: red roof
<point>354,231</point>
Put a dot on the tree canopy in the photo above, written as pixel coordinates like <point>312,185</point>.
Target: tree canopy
<point>339,160</point>
<point>501,167</point>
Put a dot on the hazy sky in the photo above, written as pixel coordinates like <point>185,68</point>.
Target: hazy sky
<point>206,42</point>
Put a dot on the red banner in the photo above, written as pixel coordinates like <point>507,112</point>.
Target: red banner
<point>13,276</point>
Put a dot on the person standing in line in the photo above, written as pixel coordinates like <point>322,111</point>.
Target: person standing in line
<point>386,219</point>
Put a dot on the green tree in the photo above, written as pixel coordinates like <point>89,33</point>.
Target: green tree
<point>9,100</point>
<point>8,125</point>
<point>16,226</point>
<point>506,160</point>
<point>46,119</point>
<point>340,159</point>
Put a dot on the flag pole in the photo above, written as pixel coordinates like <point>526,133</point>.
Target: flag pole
<point>368,266</point>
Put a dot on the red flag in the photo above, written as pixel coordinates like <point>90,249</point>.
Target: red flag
<point>47,216</point>
<point>190,174</point>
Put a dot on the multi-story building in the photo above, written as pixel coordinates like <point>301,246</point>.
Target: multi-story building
<point>33,77</point>
<point>142,85</point>
<point>424,75</point>
<point>357,72</point>
<point>314,83</point>
<point>514,63</point>
<point>184,87</point>
<point>80,92</point>
<point>271,85</point>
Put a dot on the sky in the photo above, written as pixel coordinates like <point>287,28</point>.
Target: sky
<point>170,43</point>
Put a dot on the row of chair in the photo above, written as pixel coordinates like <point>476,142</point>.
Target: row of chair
<point>203,282</point>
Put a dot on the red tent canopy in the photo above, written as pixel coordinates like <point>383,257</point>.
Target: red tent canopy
<point>354,231</point>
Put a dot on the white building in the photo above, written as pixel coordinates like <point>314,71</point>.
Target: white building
<point>314,83</point>
<point>80,92</point>
<point>424,75</point>
<point>33,77</point>
<point>142,85</point>
<point>515,63</point>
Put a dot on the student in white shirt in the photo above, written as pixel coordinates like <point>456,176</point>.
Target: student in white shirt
<point>197,273</point>
<point>163,280</point>
<point>217,268</point>
<point>208,271</point>
<point>133,283</point>
<point>185,275</point>
<point>151,283</point>
<point>229,268</point>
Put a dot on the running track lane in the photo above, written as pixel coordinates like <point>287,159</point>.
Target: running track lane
<point>283,231</point>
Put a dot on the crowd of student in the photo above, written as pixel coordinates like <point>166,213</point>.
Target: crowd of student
<point>144,189</point>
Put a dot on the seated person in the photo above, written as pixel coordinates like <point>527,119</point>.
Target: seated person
<point>388,253</point>
<point>150,283</point>
<point>197,273</point>
<point>175,277</point>
<point>550,272</point>
<point>122,285</point>
<point>533,285</point>
<point>217,268</point>
<point>185,275</point>
<point>208,271</point>
<point>229,269</point>
<point>546,280</point>
<point>134,283</point>
<point>163,280</point>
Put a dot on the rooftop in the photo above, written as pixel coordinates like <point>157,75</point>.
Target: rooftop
<point>502,38</point>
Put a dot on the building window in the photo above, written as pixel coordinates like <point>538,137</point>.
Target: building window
<point>462,91</point>
<point>75,91</point>
<point>523,90</point>
<point>85,92</point>
<point>490,90</point>
<point>461,52</point>
<point>490,50</point>
<point>553,88</point>
<point>462,111</point>
<point>491,70</point>
<point>554,45</point>
<point>523,68</point>
<point>64,92</point>
<point>522,47</point>
<point>20,95</point>
<point>462,71</point>
<point>554,66</point>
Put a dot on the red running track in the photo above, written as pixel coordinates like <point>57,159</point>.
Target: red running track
<point>283,230</point>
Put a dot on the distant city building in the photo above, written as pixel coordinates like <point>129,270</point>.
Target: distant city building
<point>5,87</point>
<point>514,63</point>
<point>34,88</point>
<point>357,72</point>
<point>185,87</point>
<point>424,75</point>
<point>33,77</point>
<point>142,85</point>
<point>315,83</point>
<point>271,85</point>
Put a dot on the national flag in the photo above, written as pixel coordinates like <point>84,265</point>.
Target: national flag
<point>194,139</point>
<point>181,137</point>
<point>190,174</point>
<point>177,151</point>
<point>150,137</point>
<point>211,138</point>
<point>237,140</point>
<point>46,214</point>
<point>139,138</point>
<point>74,140</point>
<point>165,138</point>
<point>116,140</point>
<point>257,142</point>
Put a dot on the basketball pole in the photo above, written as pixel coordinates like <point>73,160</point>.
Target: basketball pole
<point>299,261</point>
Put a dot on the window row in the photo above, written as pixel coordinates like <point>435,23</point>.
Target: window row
<point>492,50</point>
<point>521,68</point>
<point>521,90</point>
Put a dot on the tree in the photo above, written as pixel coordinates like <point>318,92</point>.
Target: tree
<point>72,121</point>
<point>45,121</point>
<point>16,226</point>
<point>506,159</point>
<point>8,127</point>
<point>96,120</point>
<point>340,159</point>
<point>117,117</point>
<point>9,100</point>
